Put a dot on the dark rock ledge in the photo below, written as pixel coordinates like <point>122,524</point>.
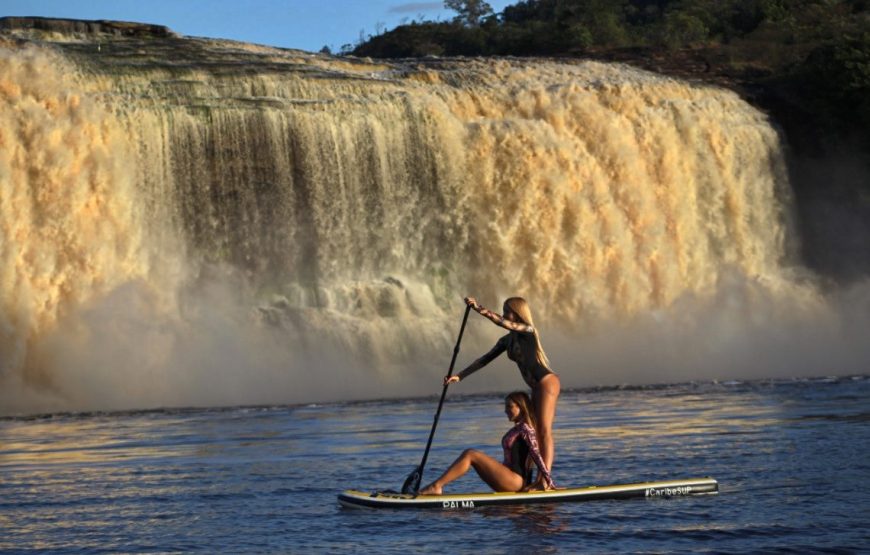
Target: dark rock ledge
<point>82,26</point>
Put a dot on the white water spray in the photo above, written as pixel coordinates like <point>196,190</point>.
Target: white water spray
<point>304,228</point>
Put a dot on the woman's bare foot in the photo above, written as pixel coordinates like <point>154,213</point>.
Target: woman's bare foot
<point>537,485</point>
<point>431,489</point>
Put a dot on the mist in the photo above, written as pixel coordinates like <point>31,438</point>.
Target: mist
<point>124,353</point>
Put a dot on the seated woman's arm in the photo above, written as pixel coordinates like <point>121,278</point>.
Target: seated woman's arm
<point>531,439</point>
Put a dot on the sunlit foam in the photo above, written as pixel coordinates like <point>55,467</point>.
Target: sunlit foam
<point>187,237</point>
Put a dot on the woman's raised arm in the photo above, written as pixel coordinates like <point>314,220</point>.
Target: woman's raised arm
<point>498,319</point>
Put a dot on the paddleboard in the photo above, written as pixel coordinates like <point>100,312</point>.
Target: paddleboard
<point>459,501</point>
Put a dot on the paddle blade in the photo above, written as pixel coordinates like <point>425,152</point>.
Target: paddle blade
<point>412,482</point>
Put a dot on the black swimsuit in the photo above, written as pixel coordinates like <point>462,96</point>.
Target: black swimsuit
<point>521,348</point>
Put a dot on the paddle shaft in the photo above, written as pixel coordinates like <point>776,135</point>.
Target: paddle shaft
<point>444,391</point>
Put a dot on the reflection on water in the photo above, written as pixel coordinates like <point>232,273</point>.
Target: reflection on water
<point>787,455</point>
<point>537,520</point>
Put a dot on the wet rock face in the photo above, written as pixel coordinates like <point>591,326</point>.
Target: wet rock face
<point>82,26</point>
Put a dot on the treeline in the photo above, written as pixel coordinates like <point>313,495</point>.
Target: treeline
<point>814,53</point>
<point>560,27</point>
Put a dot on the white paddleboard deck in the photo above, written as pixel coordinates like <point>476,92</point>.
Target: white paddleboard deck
<point>394,500</point>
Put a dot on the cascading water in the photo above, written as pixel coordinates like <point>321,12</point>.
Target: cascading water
<point>203,222</point>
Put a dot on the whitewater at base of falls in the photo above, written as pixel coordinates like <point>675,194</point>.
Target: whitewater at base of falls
<point>241,225</point>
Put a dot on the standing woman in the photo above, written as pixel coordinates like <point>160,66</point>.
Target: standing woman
<point>523,346</point>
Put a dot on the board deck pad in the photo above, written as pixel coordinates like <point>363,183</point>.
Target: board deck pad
<point>395,500</point>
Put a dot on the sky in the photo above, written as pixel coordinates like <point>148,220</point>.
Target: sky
<point>304,24</point>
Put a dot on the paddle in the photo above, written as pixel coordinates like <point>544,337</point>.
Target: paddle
<point>412,482</point>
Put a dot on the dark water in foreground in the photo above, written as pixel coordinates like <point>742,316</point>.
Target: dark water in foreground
<point>792,458</point>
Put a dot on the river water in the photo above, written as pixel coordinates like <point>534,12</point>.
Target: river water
<point>791,457</point>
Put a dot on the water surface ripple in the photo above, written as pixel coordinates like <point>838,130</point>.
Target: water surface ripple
<point>791,457</point>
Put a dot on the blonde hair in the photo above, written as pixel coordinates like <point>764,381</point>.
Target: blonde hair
<point>520,307</point>
<point>527,413</point>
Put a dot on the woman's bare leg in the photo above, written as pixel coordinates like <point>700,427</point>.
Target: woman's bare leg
<point>496,475</point>
<point>545,396</point>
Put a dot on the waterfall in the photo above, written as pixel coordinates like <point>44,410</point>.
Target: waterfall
<point>205,222</point>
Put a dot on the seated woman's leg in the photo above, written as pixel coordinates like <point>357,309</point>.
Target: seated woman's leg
<point>496,475</point>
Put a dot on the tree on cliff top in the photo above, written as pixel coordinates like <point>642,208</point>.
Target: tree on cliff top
<point>471,12</point>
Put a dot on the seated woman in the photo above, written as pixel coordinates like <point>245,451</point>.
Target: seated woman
<point>520,444</point>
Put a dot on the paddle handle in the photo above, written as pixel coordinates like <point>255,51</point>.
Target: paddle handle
<point>444,391</point>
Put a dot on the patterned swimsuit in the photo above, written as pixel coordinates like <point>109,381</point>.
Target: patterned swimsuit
<point>511,444</point>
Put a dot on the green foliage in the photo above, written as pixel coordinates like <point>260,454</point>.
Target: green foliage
<point>575,26</point>
<point>836,79</point>
<point>426,39</point>
<point>471,12</point>
<point>578,36</point>
<point>681,28</point>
